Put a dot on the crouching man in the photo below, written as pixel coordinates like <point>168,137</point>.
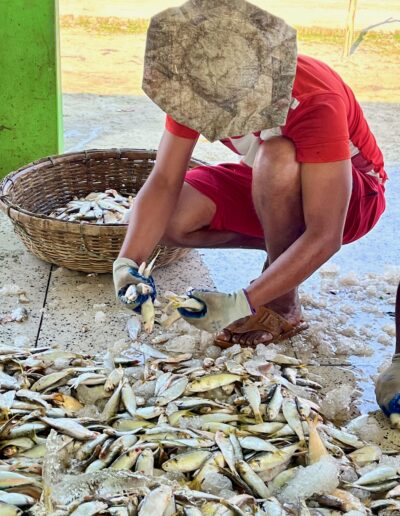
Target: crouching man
<point>310,176</point>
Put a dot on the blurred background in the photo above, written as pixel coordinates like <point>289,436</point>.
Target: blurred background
<point>102,42</point>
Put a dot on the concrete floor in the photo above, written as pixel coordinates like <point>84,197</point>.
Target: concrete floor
<point>349,305</point>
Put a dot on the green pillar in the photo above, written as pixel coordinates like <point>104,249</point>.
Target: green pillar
<point>30,87</point>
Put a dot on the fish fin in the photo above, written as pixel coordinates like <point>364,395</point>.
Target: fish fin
<point>150,266</point>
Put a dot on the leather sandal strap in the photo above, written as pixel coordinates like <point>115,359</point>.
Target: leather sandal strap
<point>266,320</point>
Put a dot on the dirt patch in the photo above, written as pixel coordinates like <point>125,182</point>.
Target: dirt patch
<point>106,58</point>
<point>307,13</point>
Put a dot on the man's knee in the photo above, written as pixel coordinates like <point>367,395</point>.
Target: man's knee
<point>193,212</point>
<point>276,154</point>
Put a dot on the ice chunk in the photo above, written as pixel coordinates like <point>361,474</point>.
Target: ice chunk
<point>268,352</point>
<point>319,478</point>
<point>233,350</point>
<point>99,317</point>
<point>348,331</point>
<point>11,290</point>
<point>53,466</point>
<point>336,405</point>
<point>347,346</point>
<point>390,329</point>
<point>133,327</point>
<point>99,306</point>
<point>206,340</point>
<point>162,338</point>
<point>350,279</point>
<point>390,460</point>
<point>82,287</point>
<point>145,389</point>
<point>308,301</point>
<point>21,341</point>
<point>227,494</point>
<point>213,352</point>
<point>329,270</point>
<point>364,330</point>
<point>214,483</point>
<point>347,309</point>
<point>384,339</point>
<point>367,428</point>
<point>120,346</point>
<point>62,271</point>
<point>183,327</point>
<point>392,274</point>
<point>191,422</point>
<point>371,290</point>
<point>182,344</point>
<point>164,317</point>
<point>90,411</point>
<point>371,309</point>
<point>337,342</point>
<point>23,298</point>
<point>322,303</point>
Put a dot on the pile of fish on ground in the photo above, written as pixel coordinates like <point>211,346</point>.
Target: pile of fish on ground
<point>109,207</point>
<point>154,434</point>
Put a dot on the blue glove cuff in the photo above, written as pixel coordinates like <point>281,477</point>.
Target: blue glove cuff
<point>141,297</point>
<point>393,406</point>
<point>148,281</point>
<point>194,314</point>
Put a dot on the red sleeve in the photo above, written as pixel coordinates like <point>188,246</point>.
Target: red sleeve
<point>180,130</point>
<point>319,129</point>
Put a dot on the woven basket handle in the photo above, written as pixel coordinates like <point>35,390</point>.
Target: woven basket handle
<point>5,197</point>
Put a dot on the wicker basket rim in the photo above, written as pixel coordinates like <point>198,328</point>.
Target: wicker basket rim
<point>16,212</point>
<point>67,157</point>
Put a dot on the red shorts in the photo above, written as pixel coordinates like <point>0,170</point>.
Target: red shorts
<point>229,186</point>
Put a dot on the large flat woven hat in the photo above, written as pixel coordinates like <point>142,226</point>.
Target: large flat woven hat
<point>221,67</point>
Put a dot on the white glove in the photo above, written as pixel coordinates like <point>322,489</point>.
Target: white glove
<point>125,274</point>
<point>387,391</point>
<point>219,311</point>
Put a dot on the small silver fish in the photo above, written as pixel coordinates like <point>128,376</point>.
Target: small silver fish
<point>156,502</point>
<point>252,479</point>
<point>69,427</point>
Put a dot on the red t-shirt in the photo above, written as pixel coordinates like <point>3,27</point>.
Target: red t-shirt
<point>325,122</point>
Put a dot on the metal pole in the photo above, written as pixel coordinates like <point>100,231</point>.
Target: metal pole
<point>349,35</point>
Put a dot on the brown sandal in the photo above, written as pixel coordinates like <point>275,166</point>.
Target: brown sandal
<point>266,320</point>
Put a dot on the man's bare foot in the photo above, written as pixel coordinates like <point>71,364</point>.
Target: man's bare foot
<point>291,313</point>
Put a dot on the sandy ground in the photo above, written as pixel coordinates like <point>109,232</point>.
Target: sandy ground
<point>112,64</point>
<point>328,13</point>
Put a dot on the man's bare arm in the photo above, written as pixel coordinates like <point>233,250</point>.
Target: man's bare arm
<point>326,191</point>
<point>157,198</point>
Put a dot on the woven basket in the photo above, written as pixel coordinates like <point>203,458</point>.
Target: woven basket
<point>30,193</point>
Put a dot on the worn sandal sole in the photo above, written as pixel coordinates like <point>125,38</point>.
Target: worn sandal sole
<point>268,321</point>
